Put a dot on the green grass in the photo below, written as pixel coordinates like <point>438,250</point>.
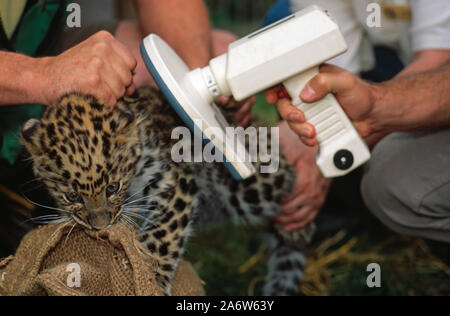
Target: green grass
<point>226,261</point>
<point>218,254</point>
<point>265,112</point>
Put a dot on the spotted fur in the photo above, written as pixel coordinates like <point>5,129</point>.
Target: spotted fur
<point>108,164</point>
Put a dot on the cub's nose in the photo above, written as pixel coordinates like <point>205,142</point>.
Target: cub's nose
<point>99,220</point>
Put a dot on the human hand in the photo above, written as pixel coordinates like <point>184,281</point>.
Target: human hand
<point>221,40</point>
<point>100,66</point>
<point>243,113</point>
<point>302,206</point>
<point>353,94</point>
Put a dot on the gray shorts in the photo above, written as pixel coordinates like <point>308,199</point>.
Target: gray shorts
<point>407,184</point>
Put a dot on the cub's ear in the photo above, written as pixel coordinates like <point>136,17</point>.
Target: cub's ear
<point>30,137</point>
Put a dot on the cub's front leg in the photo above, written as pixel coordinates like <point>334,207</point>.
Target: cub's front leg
<point>169,223</point>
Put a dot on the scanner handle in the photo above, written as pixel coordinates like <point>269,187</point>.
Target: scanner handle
<point>341,148</point>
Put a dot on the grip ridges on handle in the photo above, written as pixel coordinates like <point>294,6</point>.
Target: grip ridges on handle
<point>331,133</point>
<point>337,137</point>
<point>325,119</point>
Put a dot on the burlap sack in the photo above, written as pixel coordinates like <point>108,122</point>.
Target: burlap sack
<point>110,263</point>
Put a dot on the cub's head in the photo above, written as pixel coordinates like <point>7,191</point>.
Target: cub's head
<point>86,154</point>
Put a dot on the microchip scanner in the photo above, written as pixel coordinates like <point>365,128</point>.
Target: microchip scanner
<point>287,52</point>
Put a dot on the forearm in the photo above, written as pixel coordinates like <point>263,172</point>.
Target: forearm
<point>426,60</point>
<point>423,61</point>
<point>411,103</point>
<point>20,79</point>
<point>183,24</point>
<point>414,102</point>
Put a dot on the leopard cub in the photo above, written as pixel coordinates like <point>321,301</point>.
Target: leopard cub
<point>104,165</point>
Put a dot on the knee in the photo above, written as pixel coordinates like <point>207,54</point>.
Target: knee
<point>408,189</point>
<point>386,187</point>
<point>378,193</point>
<point>382,197</point>
<point>419,214</point>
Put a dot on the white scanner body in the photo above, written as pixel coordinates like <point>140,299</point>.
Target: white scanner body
<point>290,52</point>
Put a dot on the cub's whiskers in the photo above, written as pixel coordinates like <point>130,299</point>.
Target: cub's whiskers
<point>140,190</point>
<point>146,197</point>
<point>47,219</point>
<point>45,206</point>
<point>129,222</point>
<point>70,232</point>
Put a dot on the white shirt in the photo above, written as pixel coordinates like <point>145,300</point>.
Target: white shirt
<point>428,28</point>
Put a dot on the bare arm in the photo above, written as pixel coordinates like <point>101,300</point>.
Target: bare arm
<point>100,66</point>
<point>423,61</point>
<point>20,79</point>
<point>413,102</point>
<point>427,60</point>
<point>183,24</point>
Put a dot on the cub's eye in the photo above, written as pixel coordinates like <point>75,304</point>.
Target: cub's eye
<point>73,197</point>
<point>113,188</point>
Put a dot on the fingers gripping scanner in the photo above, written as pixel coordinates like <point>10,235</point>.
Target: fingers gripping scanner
<point>288,52</point>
